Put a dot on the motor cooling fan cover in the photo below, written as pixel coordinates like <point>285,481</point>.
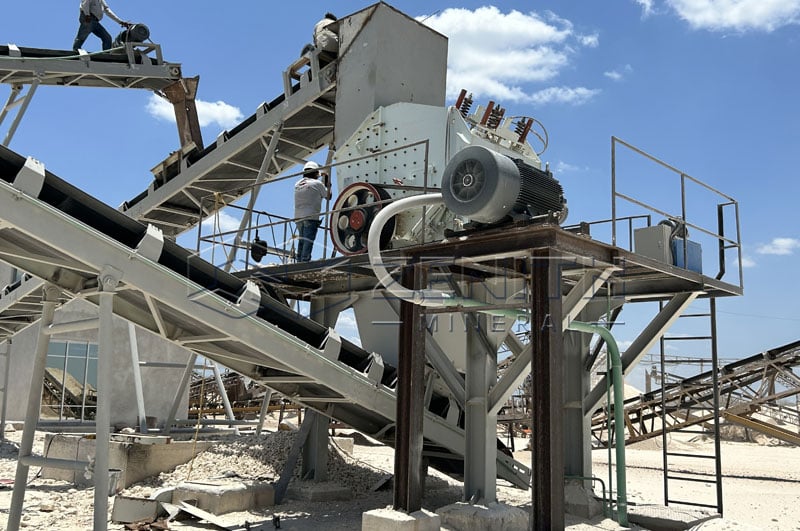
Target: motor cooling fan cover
<point>480,184</point>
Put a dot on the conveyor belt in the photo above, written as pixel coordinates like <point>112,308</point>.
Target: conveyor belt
<point>129,67</point>
<point>690,401</point>
<point>69,239</point>
<point>185,182</point>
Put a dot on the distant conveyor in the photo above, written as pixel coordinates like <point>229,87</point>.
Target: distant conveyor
<point>70,239</point>
<point>744,389</point>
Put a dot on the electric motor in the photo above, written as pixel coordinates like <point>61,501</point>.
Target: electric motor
<point>135,33</point>
<point>487,186</point>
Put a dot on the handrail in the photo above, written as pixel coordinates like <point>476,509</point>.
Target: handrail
<point>723,242</point>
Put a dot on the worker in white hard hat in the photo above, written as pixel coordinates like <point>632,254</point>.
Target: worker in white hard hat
<point>309,192</point>
<point>91,13</point>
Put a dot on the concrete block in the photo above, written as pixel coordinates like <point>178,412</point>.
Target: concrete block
<point>147,460</point>
<point>136,460</point>
<point>490,517</point>
<point>318,492</point>
<point>390,520</point>
<point>661,518</point>
<point>580,501</point>
<point>80,448</point>
<point>127,509</point>
<point>344,443</point>
<point>220,497</point>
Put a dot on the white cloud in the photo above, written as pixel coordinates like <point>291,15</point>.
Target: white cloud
<point>347,326</point>
<point>590,41</point>
<point>563,167</point>
<point>574,96</point>
<point>779,246</point>
<point>496,54</point>
<point>221,222</point>
<point>737,15</point>
<point>747,262</point>
<point>647,7</point>
<point>618,75</point>
<point>218,112</point>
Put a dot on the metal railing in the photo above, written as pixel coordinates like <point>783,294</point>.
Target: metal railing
<point>724,242</point>
<point>281,232</point>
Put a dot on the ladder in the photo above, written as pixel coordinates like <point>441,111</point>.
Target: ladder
<point>676,468</point>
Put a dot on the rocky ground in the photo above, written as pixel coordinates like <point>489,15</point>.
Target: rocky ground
<point>761,485</point>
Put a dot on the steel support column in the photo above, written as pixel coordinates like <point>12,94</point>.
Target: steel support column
<point>223,394</point>
<point>181,94</point>
<point>137,378</point>
<point>108,284</point>
<point>480,463</point>
<point>547,447</point>
<point>5,389</point>
<point>179,393</point>
<point>262,415</point>
<point>410,400</point>
<point>263,175</point>
<point>24,102</point>
<point>315,450</point>
<point>50,295</point>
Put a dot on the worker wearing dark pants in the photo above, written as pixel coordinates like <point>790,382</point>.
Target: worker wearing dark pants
<point>308,195</point>
<point>91,12</point>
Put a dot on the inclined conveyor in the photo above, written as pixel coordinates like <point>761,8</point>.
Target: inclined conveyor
<point>72,240</point>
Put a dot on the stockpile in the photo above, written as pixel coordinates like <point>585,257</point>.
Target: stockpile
<point>261,458</point>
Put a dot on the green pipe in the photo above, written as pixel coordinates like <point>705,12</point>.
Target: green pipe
<point>619,423</point>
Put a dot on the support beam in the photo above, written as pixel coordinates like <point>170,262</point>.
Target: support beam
<point>263,174</point>
<point>582,292</point>
<point>480,465</point>
<point>26,100</point>
<point>137,377</point>
<point>7,366</point>
<point>410,399</point>
<point>181,94</point>
<point>643,343</point>
<point>50,296</point>
<point>262,415</point>
<point>224,395</point>
<point>108,280</point>
<point>512,378</point>
<point>547,445</point>
<point>180,393</point>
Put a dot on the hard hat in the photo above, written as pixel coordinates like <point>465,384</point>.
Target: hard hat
<point>310,165</point>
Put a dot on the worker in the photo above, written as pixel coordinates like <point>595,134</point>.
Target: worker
<point>91,13</point>
<point>309,192</point>
<point>325,39</point>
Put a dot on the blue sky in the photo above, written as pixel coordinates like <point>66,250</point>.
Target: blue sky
<point>709,86</point>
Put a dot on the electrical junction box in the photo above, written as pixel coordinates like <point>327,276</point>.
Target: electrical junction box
<point>694,255</point>
<point>653,242</point>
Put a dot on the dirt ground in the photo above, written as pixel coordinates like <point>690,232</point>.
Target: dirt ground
<point>761,485</point>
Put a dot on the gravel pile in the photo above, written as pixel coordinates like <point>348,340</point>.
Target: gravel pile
<point>261,458</point>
